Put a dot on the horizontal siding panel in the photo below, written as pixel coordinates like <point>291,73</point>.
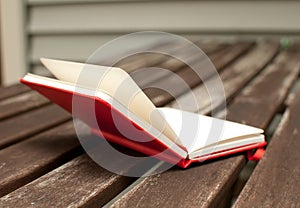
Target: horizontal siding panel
<point>177,16</point>
<point>49,2</point>
<point>75,48</point>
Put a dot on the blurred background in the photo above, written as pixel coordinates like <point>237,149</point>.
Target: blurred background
<point>74,29</point>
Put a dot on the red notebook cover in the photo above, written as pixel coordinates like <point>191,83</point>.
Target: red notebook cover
<point>105,123</point>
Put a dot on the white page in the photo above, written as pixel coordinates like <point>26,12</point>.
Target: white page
<point>223,145</point>
<point>197,131</point>
<point>116,83</point>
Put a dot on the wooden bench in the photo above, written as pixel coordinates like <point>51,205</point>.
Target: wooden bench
<point>43,165</point>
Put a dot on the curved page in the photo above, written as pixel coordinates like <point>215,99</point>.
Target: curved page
<point>116,83</point>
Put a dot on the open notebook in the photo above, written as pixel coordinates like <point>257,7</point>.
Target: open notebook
<point>115,108</point>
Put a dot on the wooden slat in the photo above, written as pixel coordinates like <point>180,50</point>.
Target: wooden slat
<point>191,189</point>
<point>80,182</point>
<point>281,74</point>
<point>21,103</point>
<point>22,162</point>
<point>12,90</point>
<point>292,94</point>
<point>172,64</point>
<point>221,60</point>
<point>142,60</point>
<point>234,77</point>
<point>211,46</point>
<point>27,124</point>
<point>148,59</point>
<point>275,181</point>
<point>160,97</point>
<point>183,188</point>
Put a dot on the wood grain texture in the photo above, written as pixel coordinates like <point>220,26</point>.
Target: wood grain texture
<point>78,183</point>
<point>164,92</point>
<point>22,126</point>
<point>233,78</point>
<point>269,89</point>
<point>275,180</point>
<point>27,160</point>
<point>171,64</point>
<point>182,188</point>
<point>159,54</point>
<point>222,59</point>
<point>243,109</point>
<point>147,59</point>
<point>21,103</point>
<point>12,90</point>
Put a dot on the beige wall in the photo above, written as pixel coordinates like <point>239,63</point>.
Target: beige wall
<point>13,63</point>
<point>0,52</point>
<point>73,29</point>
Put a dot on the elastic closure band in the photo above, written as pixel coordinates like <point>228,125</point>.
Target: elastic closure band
<point>257,155</point>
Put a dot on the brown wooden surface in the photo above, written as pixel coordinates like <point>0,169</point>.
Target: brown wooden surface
<point>68,188</point>
<point>42,164</point>
<point>12,90</point>
<point>220,59</point>
<point>22,126</point>
<point>145,78</point>
<point>275,181</point>
<point>246,108</point>
<point>33,157</point>
<point>21,103</point>
<point>233,77</point>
